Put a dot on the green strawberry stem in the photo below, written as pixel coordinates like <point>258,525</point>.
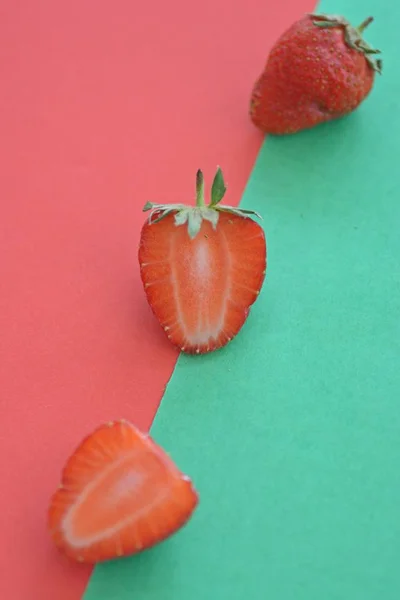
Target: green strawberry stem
<point>364,24</point>
<point>199,189</point>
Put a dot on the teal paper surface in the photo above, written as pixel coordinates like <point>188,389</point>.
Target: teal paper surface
<point>292,433</point>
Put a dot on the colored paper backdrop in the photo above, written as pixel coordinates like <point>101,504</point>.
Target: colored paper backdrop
<point>291,433</point>
<point>103,106</point>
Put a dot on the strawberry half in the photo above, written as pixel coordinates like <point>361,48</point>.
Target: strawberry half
<point>119,494</point>
<point>202,268</point>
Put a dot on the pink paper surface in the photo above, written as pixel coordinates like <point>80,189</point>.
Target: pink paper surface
<point>103,106</point>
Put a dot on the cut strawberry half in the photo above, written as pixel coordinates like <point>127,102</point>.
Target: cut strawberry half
<point>119,494</point>
<point>202,268</point>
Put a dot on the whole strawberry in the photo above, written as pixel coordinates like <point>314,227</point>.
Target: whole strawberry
<point>319,70</point>
<point>202,268</point>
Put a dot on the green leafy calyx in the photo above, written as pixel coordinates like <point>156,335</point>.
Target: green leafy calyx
<point>194,216</point>
<point>352,35</point>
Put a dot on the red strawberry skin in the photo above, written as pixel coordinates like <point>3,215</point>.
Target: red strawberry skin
<point>312,75</point>
<point>201,289</point>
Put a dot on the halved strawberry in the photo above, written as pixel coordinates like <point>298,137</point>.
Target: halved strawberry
<point>202,268</point>
<point>119,494</point>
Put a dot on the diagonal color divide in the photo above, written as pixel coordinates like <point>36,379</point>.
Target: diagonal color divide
<point>291,432</point>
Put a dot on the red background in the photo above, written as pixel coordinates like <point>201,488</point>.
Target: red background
<point>103,106</point>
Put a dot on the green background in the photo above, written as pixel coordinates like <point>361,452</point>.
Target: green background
<point>291,433</point>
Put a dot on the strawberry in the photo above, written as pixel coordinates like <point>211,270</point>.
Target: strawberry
<point>119,494</point>
<point>320,69</point>
<point>202,268</point>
